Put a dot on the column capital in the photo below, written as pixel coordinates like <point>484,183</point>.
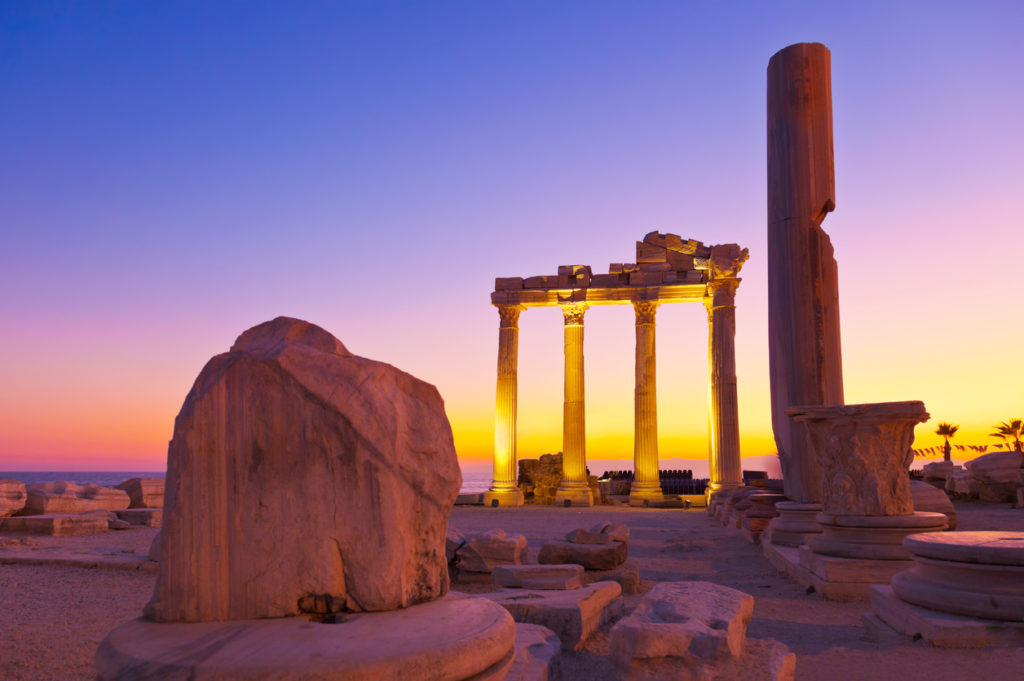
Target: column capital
<point>510,315</point>
<point>645,311</point>
<point>572,313</point>
<point>721,293</point>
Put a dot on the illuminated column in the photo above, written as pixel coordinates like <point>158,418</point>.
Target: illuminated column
<point>723,409</point>
<point>574,488</point>
<point>646,483</point>
<point>504,490</point>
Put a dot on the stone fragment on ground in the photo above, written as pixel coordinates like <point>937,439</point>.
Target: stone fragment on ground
<point>144,492</point>
<point>143,517</point>
<point>45,498</point>
<point>482,552</point>
<point>627,575</point>
<point>12,496</point>
<point>573,615</point>
<point>545,577</point>
<point>287,430</point>
<point>590,556</point>
<point>537,656</point>
<point>58,524</point>
<point>695,630</point>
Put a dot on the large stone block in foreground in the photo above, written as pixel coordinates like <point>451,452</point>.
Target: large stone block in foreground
<point>302,478</point>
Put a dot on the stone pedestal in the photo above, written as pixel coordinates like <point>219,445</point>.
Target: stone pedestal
<point>504,491</point>
<point>964,589</point>
<point>871,537</point>
<point>454,638</point>
<point>977,574</point>
<point>646,482</point>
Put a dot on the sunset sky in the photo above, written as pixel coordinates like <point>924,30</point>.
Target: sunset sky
<point>174,173</point>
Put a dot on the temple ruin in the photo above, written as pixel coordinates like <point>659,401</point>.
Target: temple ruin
<point>668,269</point>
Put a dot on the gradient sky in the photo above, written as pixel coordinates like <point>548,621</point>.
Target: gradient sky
<point>174,173</point>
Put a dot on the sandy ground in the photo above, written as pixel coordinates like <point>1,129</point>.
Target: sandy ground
<point>52,618</point>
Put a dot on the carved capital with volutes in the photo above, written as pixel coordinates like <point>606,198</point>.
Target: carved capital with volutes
<point>721,293</point>
<point>510,315</point>
<point>727,260</point>
<point>573,313</point>
<point>645,310</point>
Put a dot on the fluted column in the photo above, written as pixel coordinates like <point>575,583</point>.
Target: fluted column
<point>646,483</point>
<point>504,490</point>
<point>723,408</point>
<point>574,488</point>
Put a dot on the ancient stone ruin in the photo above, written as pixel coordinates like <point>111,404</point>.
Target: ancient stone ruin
<point>668,269</point>
<point>308,486</point>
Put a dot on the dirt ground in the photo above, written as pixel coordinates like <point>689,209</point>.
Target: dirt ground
<point>52,618</point>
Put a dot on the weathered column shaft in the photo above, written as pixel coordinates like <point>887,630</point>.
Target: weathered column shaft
<point>574,488</point>
<point>723,407</point>
<point>646,482</point>
<point>805,362</point>
<point>504,489</point>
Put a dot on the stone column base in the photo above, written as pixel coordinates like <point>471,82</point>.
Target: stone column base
<point>576,495</point>
<point>871,537</point>
<point>503,497</point>
<point>972,574</point>
<point>795,523</point>
<point>641,495</point>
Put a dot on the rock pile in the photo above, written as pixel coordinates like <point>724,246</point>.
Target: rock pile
<point>991,478</point>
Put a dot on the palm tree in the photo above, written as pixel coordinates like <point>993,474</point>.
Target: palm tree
<point>947,431</point>
<point>1010,430</point>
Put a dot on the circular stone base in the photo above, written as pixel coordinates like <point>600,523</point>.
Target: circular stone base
<point>871,537</point>
<point>456,638</point>
<point>978,574</point>
<point>794,523</point>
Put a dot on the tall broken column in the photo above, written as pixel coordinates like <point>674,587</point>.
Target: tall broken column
<point>803,295</point>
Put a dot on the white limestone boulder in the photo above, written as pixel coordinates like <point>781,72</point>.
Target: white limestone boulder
<point>482,552</point>
<point>12,497</point>
<point>695,621</point>
<point>938,470</point>
<point>996,467</point>
<point>302,478</point>
<point>144,492</point>
<point>45,498</point>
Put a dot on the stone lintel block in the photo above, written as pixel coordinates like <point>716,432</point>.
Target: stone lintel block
<point>508,283</point>
<point>146,517</point>
<point>57,525</point>
<point>590,556</point>
<point>537,656</point>
<point>656,267</point>
<point>544,577</point>
<point>694,275</point>
<point>450,639</point>
<point>641,278</point>
<point>680,261</point>
<point>941,629</point>
<point>646,253</point>
<point>573,615</point>
<point>607,280</point>
<point>542,281</point>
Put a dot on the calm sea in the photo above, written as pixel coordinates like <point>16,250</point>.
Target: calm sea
<point>474,478</point>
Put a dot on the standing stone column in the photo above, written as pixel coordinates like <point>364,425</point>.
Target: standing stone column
<point>804,357</point>
<point>723,407</point>
<point>504,490</point>
<point>574,488</point>
<point>646,482</point>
